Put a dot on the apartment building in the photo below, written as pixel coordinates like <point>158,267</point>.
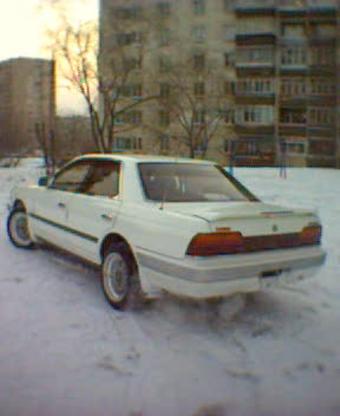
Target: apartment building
<point>267,69</point>
<point>27,97</point>
<point>286,62</point>
<point>181,54</point>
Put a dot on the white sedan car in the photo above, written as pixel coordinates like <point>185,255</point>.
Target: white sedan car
<point>157,224</point>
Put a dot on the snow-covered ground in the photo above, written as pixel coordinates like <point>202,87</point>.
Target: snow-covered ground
<point>64,351</point>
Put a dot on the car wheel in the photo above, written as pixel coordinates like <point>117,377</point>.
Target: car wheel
<point>120,281</point>
<point>17,229</point>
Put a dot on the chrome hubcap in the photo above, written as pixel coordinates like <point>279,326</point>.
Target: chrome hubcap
<point>19,229</point>
<point>116,277</point>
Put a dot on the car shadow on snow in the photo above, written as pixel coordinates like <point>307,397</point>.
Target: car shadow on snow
<point>263,313</point>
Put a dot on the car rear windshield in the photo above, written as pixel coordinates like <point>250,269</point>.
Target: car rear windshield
<point>188,182</point>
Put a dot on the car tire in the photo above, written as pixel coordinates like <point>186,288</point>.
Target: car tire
<point>119,278</point>
<point>18,230</point>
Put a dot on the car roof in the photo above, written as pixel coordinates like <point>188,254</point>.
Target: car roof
<point>142,158</point>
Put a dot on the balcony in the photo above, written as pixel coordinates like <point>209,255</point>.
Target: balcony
<point>254,130</point>
<point>293,121</point>
<point>251,8</point>
<point>253,91</point>
<point>243,39</point>
<point>323,12</point>
<point>294,58</point>
<point>298,102</point>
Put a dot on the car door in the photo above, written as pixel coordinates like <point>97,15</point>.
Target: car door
<point>93,210</point>
<point>51,211</point>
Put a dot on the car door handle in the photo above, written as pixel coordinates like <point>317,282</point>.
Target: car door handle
<point>107,217</point>
<point>61,205</point>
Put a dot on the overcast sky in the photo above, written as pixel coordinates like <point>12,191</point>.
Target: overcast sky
<point>22,27</point>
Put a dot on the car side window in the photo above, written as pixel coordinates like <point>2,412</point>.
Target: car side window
<point>71,178</point>
<point>102,179</point>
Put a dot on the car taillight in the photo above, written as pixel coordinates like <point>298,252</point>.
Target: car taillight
<point>215,243</point>
<point>311,234</point>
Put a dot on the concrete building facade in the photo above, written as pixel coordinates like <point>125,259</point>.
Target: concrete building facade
<point>27,97</point>
<point>286,60</point>
<point>275,62</point>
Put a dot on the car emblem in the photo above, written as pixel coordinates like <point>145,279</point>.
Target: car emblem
<point>275,228</point>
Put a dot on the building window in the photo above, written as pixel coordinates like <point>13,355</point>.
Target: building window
<point>255,56</point>
<point>322,86</point>
<point>293,116</point>
<point>132,90</point>
<point>199,33</point>
<point>293,87</point>
<point>255,86</point>
<point>124,39</point>
<point>164,37</point>
<point>322,116</point>
<point>199,89</point>
<point>119,119</point>
<point>248,147</point>
<point>127,143</point>
<point>164,118</point>
<point>164,141</point>
<point>257,114</point>
<point>228,116</point>
<point>226,59</point>
<point>295,148</point>
<point>164,8</point>
<point>293,55</point>
<point>199,7</point>
<point>323,55</point>
<point>199,62</point>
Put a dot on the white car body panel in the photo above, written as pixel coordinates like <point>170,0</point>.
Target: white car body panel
<point>94,217</point>
<point>53,205</point>
<point>159,233</point>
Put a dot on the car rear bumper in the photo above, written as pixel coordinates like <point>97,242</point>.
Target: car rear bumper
<point>229,274</point>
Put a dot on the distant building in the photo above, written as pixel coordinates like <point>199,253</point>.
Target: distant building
<point>279,61</point>
<point>27,97</point>
<point>287,74</point>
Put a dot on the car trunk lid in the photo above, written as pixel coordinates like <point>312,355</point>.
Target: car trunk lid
<point>249,218</point>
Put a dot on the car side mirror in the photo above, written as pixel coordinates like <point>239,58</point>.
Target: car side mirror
<point>43,181</point>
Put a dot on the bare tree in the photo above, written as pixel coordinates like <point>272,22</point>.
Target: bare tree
<point>108,85</point>
<point>46,141</point>
<point>192,100</point>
